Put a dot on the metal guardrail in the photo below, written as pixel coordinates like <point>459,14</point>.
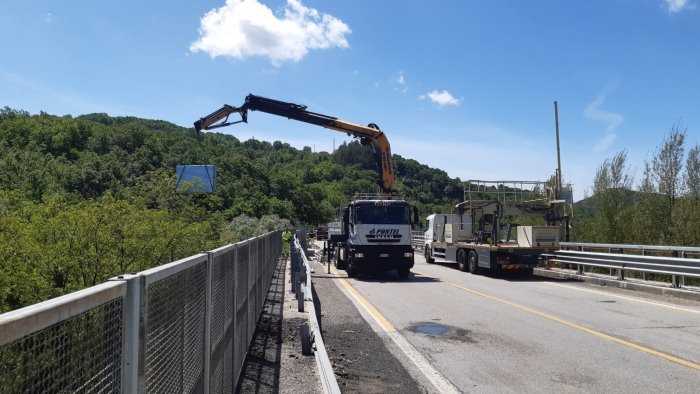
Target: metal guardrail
<point>313,340</point>
<point>674,260</point>
<point>417,239</point>
<point>674,251</point>
<point>181,327</point>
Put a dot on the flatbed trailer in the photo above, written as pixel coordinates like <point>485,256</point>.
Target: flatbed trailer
<point>477,257</point>
<point>474,238</point>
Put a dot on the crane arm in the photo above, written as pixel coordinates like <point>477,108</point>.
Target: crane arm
<point>368,135</point>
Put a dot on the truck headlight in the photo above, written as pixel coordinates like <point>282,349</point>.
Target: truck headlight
<point>408,254</point>
<point>359,255</point>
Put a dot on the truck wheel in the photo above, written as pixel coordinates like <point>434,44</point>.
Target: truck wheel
<point>351,269</point>
<point>336,259</point>
<point>426,254</point>
<point>473,263</point>
<point>403,272</point>
<point>462,260</point>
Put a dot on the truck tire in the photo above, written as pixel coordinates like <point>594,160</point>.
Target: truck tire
<point>462,262</point>
<point>350,268</point>
<point>426,253</point>
<point>336,259</point>
<point>473,262</point>
<point>403,272</point>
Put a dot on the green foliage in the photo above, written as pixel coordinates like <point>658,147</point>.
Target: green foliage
<point>243,227</point>
<point>87,198</point>
<point>664,209</point>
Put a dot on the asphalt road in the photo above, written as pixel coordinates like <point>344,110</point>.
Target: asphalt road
<point>508,334</point>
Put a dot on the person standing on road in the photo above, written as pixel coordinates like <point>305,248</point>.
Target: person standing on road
<point>286,239</point>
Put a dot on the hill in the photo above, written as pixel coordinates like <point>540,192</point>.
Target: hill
<point>86,198</point>
<point>586,207</point>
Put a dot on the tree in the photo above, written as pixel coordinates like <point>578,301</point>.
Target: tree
<point>668,163</point>
<point>692,173</point>
<point>611,188</point>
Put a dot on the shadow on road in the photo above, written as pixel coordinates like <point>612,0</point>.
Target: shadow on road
<point>261,368</point>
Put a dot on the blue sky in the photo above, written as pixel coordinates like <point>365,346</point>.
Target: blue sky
<point>465,86</point>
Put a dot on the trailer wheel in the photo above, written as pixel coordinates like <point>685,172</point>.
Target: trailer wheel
<point>426,254</point>
<point>473,263</point>
<point>462,260</point>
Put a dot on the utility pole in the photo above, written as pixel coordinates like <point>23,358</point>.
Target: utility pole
<point>559,181</point>
<point>556,124</point>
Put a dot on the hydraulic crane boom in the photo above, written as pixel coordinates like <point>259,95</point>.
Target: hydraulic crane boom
<point>368,135</point>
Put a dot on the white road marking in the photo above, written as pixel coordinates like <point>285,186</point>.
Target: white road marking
<point>440,383</point>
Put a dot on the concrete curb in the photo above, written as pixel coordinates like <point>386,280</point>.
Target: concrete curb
<point>668,291</point>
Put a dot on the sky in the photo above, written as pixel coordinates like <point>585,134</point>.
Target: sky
<point>465,86</point>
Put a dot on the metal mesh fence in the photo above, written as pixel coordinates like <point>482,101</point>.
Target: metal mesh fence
<point>222,325</point>
<point>241,341</point>
<point>81,354</point>
<point>104,349</point>
<point>175,332</point>
<point>252,281</point>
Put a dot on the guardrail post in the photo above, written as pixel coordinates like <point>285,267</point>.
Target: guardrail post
<point>644,274</point>
<point>207,320</point>
<point>294,267</point>
<point>301,297</point>
<point>674,278</point>
<point>682,277</point>
<point>133,347</point>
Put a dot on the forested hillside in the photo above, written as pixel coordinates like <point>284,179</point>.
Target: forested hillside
<point>83,199</point>
<point>87,198</point>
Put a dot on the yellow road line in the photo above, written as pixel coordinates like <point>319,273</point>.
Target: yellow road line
<point>441,384</point>
<point>386,325</point>
<point>678,308</point>
<point>591,331</point>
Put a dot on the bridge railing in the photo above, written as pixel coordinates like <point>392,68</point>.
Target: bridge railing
<point>417,239</point>
<point>181,327</point>
<point>678,262</point>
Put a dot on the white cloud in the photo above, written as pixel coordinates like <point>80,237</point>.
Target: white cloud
<point>441,98</point>
<point>245,28</point>
<point>678,5</point>
<point>400,83</point>
<point>605,143</point>
<point>611,120</point>
<point>594,112</point>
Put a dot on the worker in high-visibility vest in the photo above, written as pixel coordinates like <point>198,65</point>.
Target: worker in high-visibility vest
<point>286,238</point>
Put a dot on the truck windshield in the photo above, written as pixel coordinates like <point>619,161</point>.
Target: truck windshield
<point>382,215</point>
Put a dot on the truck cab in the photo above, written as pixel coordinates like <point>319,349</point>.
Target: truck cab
<point>376,237</point>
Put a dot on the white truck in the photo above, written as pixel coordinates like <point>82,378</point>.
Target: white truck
<point>474,237</point>
<point>376,236</point>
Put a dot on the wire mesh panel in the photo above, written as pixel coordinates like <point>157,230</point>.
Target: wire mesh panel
<point>222,325</point>
<point>90,341</point>
<point>175,310</point>
<point>241,334</point>
<point>80,354</point>
<point>261,289</point>
<point>252,285</point>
